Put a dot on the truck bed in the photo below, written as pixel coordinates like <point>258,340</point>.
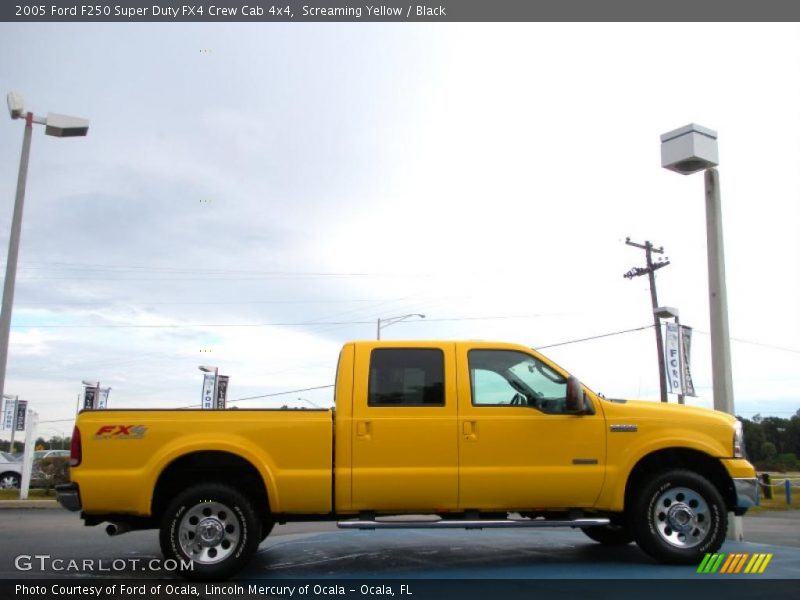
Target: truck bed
<point>126,451</point>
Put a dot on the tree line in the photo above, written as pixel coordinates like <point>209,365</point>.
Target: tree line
<point>773,443</point>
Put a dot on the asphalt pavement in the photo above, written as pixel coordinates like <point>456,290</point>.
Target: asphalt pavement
<point>319,550</point>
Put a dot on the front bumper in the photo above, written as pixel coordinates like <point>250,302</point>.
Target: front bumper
<point>746,489</point>
<point>69,496</point>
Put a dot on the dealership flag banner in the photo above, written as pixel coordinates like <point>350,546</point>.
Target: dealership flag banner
<point>222,392</point>
<point>22,411</point>
<point>686,349</point>
<point>102,400</point>
<point>208,391</point>
<point>8,414</point>
<point>677,347</point>
<point>89,398</point>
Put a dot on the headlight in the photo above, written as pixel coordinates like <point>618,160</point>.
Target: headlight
<point>738,440</point>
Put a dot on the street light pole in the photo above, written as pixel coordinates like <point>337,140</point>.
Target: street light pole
<point>57,126</point>
<point>718,298</point>
<point>13,250</point>
<point>384,323</point>
<point>688,150</point>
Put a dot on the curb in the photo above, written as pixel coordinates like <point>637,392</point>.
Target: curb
<point>28,504</point>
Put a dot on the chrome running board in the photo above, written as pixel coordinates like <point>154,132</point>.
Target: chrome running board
<point>470,524</point>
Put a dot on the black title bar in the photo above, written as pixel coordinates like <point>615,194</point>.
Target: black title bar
<point>394,11</point>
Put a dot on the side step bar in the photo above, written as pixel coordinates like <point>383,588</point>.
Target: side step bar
<point>471,524</point>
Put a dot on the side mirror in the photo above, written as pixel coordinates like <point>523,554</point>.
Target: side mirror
<point>576,403</point>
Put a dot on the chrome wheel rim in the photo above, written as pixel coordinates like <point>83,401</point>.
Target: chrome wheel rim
<point>9,482</point>
<point>209,532</point>
<point>682,517</point>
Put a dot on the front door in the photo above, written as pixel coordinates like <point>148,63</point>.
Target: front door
<point>519,447</point>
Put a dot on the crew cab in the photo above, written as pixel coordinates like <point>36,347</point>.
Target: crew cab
<point>478,434</point>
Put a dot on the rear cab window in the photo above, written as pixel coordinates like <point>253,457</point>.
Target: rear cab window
<point>406,377</point>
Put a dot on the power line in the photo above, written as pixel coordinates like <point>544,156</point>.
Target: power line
<point>754,343</point>
<point>318,387</point>
<point>275,324</point>
<point>595,337</point>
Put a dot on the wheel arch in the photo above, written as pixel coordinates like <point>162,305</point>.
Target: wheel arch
<point>680,458</point>
<point>206,466</point>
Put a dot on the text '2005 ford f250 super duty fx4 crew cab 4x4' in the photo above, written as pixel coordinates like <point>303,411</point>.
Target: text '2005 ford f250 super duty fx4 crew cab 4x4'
<point>481,434</point>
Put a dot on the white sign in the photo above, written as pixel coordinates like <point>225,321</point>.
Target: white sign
<point>686,347</point>
<point>677,347</point>
<point>102,401</point>
<point>207,400</point>
<point>8,413</point>
<point>672,356</point>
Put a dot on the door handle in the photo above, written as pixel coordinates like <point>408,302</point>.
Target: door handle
<point>469,429</point>
<point>363,429</point>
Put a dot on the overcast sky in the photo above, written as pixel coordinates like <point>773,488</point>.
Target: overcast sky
<point>248,185</point>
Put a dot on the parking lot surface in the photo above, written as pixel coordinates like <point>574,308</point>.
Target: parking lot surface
<point>320,551</point>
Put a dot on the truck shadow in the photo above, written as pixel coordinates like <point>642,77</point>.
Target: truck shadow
<point>447,554</point>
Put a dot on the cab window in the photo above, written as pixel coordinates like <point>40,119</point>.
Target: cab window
<point>511,378</point>
<point>406,377</point>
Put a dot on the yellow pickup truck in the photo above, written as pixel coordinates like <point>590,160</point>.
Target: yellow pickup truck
<point>468,434</point>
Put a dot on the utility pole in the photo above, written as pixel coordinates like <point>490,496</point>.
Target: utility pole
<point>650,271</point>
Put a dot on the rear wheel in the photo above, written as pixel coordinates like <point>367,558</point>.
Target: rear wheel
<point>214,527</point>
<point>679,517</point>
<point>610,535</point>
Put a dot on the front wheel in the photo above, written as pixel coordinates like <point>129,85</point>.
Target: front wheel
<point>212,526</point>
<point>679,517</point>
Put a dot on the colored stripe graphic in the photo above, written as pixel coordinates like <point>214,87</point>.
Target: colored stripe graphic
<point>741,562</point>
<point>732,558</point>
<point>734,563</point>
<point>766,562</point>
<point>701,567</point>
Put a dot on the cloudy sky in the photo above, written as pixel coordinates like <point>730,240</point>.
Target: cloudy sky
<point>252,196</point>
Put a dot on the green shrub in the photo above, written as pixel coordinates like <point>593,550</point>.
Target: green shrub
<point>52,471</point>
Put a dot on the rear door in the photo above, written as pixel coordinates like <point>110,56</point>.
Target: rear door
<point>405,436</point>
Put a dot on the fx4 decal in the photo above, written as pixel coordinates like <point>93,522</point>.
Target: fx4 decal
<point>120,432</point>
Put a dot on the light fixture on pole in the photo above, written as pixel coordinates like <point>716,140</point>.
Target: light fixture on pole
<point>215,371</point>
<point>687,150</point>
<point>57,126</point>
<point>384,323</point>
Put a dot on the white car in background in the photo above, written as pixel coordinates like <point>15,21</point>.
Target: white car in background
<point>10,472</point>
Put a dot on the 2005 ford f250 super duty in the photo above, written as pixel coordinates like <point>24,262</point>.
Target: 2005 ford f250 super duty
<point>480,434</point>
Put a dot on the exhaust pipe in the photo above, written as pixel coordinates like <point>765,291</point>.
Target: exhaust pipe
<point>117,528</point>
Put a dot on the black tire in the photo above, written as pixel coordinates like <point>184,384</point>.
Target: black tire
<point>213,526</point>
<point>679,517</point>
<point>266,528</point>
<point>10,481</point>
<point>610,535</point>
